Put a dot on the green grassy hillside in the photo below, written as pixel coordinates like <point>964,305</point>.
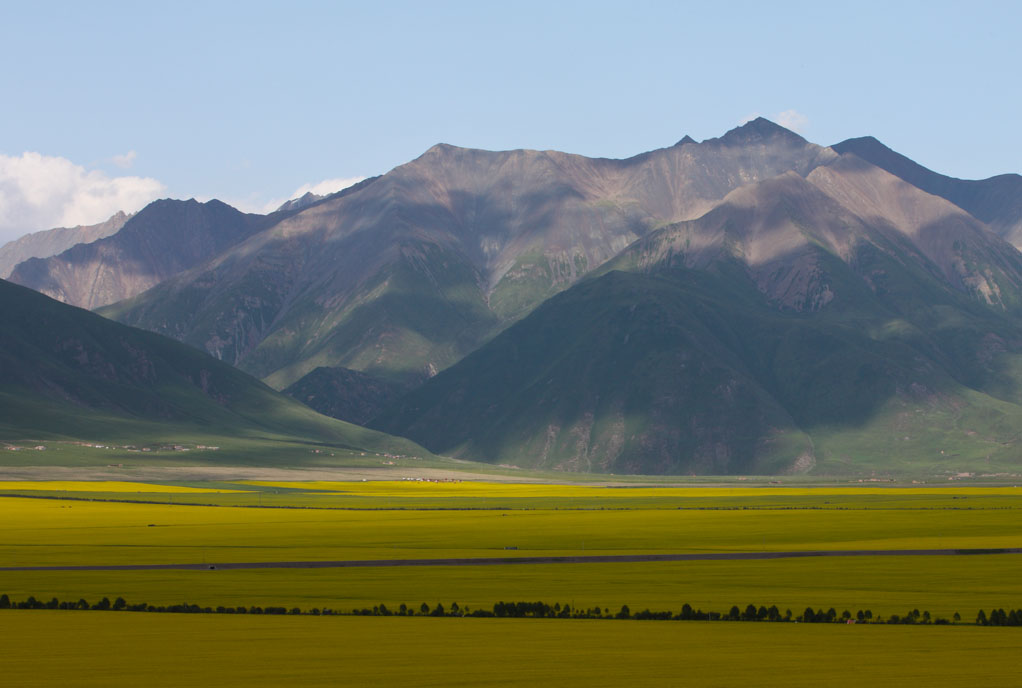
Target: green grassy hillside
<point>67,374</point>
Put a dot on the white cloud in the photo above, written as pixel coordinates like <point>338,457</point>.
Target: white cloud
<point>326,187</point>
<point>41,192</point>
<point>124,161</point>
<point>794,120</point>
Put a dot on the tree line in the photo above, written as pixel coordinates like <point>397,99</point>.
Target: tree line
<point>541,610</point>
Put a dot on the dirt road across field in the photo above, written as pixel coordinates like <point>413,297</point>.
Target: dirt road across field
<point>502,561</point>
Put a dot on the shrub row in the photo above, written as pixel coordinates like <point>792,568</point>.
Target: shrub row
<point>537,610</point>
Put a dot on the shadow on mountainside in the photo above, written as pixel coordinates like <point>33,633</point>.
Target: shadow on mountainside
<point>681,371</point>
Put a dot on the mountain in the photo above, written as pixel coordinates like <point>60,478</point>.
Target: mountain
<point>66,373</point>
<point>344,394</point>
<point>163,239</point>
<point>840,322</point>
<point>303,201</point>
<point>403,275</point>
<point>53,241</point>
<point>996,201</point>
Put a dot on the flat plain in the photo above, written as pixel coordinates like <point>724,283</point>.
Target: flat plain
<point>82,524</point>
<point>217,522</point>
<point>124,649</point>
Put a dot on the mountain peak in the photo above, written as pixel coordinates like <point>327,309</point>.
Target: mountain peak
<point>299,203</point>
<point>756,130</point>
<point>442,149</point>
<point>861,145</point>
<point>685,139</point>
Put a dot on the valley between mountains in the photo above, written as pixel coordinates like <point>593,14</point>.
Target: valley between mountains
<point>752,304</point>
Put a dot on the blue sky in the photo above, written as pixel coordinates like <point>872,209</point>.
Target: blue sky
<point>109,104</point>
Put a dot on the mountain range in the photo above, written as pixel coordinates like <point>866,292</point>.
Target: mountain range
<point>407,273</point>
<point>780,332</point>
<point>753,303</point>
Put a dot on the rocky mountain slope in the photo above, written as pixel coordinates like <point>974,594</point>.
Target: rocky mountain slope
<point>403,275</point>
<point>840,321</point>
<point>163,239</point>
<point>53,241</point>
<point>996,201</point>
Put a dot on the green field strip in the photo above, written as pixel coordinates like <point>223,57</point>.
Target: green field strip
<point>526,560</point>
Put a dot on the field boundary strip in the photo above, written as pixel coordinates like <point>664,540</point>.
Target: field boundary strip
<point>498,561</point>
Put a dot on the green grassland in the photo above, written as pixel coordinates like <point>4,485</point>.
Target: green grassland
<point>124,448</point>
<point>103,649</point>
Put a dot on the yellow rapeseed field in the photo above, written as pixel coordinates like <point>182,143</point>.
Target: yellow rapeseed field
<point>466,525</point>
<point>110,649</point>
